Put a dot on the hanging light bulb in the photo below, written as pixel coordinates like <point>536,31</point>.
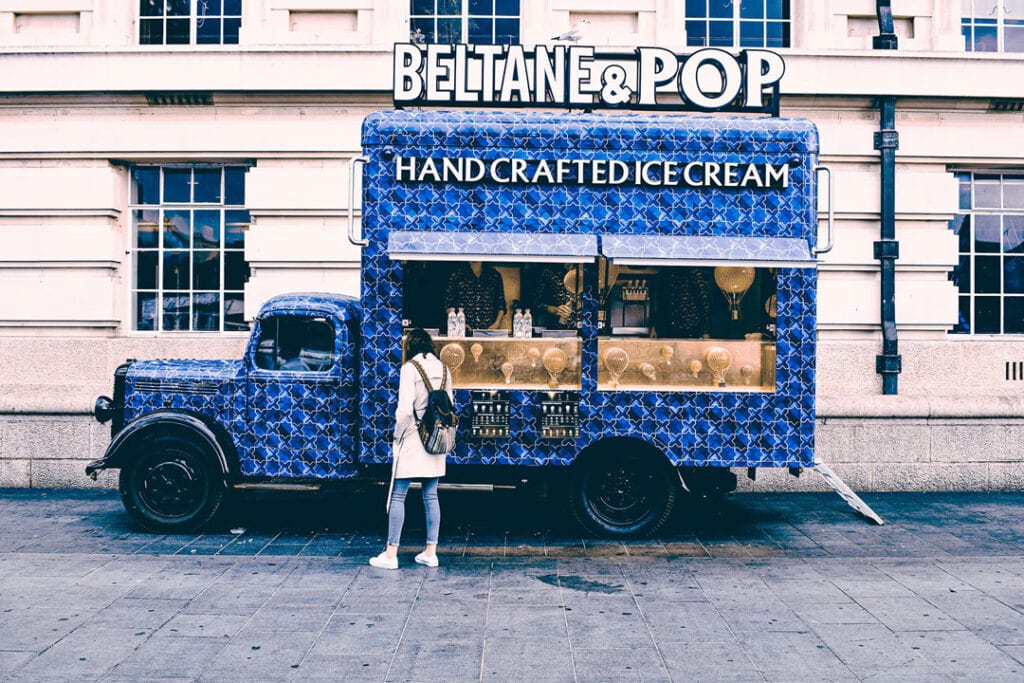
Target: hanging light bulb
<point>734,283</point>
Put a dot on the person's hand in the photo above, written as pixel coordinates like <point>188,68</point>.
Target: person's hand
<point>564,312</point>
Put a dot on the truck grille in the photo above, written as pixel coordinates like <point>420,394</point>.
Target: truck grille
<point>176,387</point>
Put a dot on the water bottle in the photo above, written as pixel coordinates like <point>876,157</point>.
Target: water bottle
<point>453,323</point>
<point>517,324</point>
<point>527,324</point>
<point>461,323</point>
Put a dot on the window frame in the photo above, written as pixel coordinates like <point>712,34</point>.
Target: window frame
<point>465,15</point>
<point>143,213</point>
<point>738,22</point>
<point>195,20</point>
<point>969,212</point>
<point>970,22</point>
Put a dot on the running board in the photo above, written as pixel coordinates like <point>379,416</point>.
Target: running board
<point>846,493</point>
<point>273,486</point>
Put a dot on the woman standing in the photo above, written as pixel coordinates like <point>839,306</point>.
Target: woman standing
<point>410,460</point>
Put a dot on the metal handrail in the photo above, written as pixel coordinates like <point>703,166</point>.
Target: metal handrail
<point>831,214</point>
<point>351,201</point>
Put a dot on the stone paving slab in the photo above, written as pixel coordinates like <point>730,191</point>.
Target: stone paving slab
<point>773,587</point>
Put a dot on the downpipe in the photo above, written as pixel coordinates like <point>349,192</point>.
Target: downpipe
<point>887,249</point>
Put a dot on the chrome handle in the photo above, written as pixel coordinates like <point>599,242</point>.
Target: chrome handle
<point>352,201</point>
<point>831,215</point>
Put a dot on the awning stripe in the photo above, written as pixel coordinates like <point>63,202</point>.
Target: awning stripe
<point>666,250</point>
<point>491,246</point>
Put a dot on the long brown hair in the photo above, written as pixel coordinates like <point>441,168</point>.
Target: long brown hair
<point>417,341</point>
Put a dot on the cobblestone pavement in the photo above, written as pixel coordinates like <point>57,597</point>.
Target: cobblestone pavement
<point>787,587</point>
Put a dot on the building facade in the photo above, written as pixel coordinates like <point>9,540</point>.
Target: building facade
<point>166,166</point>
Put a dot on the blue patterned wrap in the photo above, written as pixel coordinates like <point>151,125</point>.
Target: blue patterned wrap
<point>297,424</point>
<point>691,428</point>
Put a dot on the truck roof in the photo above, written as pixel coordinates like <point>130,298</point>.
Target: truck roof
<point>633,131</point>
<point>341,306</point>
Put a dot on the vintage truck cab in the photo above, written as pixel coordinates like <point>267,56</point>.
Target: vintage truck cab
<point>184,431</point>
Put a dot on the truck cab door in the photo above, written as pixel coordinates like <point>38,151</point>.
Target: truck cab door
<point>296,389</point>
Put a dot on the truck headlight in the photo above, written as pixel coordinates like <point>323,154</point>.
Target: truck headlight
<point>104,409</point>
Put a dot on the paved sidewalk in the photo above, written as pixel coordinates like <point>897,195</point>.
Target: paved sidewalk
<point>786,587</point>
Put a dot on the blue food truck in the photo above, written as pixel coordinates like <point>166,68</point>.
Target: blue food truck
<point>626,302</point>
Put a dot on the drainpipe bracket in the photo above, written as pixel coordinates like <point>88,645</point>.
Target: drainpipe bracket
<point>888,364</point>
<point>887,249</point>
<point>886,41</point>
<point>887,139</point>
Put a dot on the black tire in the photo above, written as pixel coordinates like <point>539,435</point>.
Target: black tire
<point>620,493</point>
<point>172,485</point>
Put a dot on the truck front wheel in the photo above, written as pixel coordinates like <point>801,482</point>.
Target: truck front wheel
<point>172,486</point>
<point>620,492</point>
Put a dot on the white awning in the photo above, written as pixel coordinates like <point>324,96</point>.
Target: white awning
<point>491,246</point>
<point>695,250</point>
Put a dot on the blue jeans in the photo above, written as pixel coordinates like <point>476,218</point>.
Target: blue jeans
<point>396,516</point>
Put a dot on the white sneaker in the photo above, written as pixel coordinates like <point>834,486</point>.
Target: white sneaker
<point>382,561</point>
<point>429,561</point>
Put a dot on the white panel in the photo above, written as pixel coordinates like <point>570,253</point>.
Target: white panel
<point>305,185</point>
<point>57,187</point>
<point>58,239</point>
<point>846,299</point>
<point>57,295</point>
<point>268,282</point>
<point>296,238</point>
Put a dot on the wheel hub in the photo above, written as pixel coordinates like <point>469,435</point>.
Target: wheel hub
<point>171,488</point>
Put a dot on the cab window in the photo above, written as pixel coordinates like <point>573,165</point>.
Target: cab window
<point>291,343</point>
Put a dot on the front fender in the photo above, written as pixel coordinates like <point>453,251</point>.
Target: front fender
<point>121,449</point>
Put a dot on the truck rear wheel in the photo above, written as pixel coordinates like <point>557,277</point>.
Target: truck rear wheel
<point>622,490</point>
<point>173,486</point>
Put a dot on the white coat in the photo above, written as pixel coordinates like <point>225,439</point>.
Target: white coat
<point>410,459</point>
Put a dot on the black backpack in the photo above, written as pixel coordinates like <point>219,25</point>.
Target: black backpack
<point>438,424</point>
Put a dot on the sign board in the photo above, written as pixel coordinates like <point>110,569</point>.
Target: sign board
<point>581,77</point>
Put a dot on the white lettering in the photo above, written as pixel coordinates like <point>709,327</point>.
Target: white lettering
<point>690,180</point>
<point>494,170</point>
<point>487,55</point>
<point>460,76</point>
<point>405,168</point>
<point>580,86</point>
<point>519,171</point>
<point>731,179</point>
<point>751,177</point>
<point>549,74</point>
<point>475,170</point>
<point>689,78</point>
<point>657,67</point>
<point>711,170</point>
<point>515,79</point>
<point>429,167</point>
<point>408,83</point>
<point>543,173</point>
<point>764,69</point>
<point>618,172</point>
<point>779,174</point>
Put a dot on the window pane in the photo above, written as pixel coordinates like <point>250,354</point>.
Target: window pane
<point>236,270</point>
<point>449,7</point>
<point>146,228</point>
<point>449,31</point>
<point>1013,193</point>
<point>425,26</point>
<point>776,34</point>
<point>506,31</point>
<point>696,8</point>
<point>960,225</point>
<point>177,227</point>
<point>963,325</point>
<point>209,8</point>
<point>234,186</point>
<point>175,315</point>
<point>777,9</point>
<point>208,31</point>
<point>480,32</point>
<point>176,270</point>
<point>1013,275</point>
<point>481,6</point>
<point>751,34</point>
<point>1013,234</point>
<point>720,9</point>
<point>968,42</point>
<point>696,33</point>
<point>151,8</point>
<point>506,8</point>
<point>985,39</point>
<point>151,31</point>
<point>986,194</point>
<point>177,31</point>
<point>234,313</point>
<point>206,311</point>
<point>965,191</point>
<point>987,234</point>
<point>176,185</point>
<point>207,186</point>
<point>986,315</point>
<point>235,225</point>
<point>178,8</point>
<point>205,270</point>
<point>961,275</point>
<point>987,271</point>
<point>233,7</point>
<point>720,33</point>
<point>751,9</point>
<point>145,185</point>
<point>1013,315</point>
<point>422,7</point>
<point>145,311</point>
<point>146,264</point>
<point>231,30</point>
<point>206,229</point>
